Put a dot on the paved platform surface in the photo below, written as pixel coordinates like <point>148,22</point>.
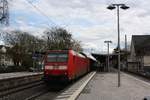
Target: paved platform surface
<point>17,74</point>
<point>103,86</point>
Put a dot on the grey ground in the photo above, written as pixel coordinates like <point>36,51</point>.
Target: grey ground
<point>104,87</point>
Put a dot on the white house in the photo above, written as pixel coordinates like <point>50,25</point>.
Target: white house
<point>5,60</point>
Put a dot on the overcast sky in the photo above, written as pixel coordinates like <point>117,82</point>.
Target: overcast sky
<point>88,20</point>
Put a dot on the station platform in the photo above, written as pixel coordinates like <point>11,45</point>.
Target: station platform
<point>11,80</point>
<point>4,76</point>
<point>103,86</point>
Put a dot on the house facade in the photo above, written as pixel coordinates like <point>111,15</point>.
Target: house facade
<point>139,59</point>
<point>5,59</point>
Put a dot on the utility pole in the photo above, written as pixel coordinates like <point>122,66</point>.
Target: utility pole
<point>108,67</point>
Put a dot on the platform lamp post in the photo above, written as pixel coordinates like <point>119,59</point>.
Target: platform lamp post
<point>124,7</point>
<point>108,42</point>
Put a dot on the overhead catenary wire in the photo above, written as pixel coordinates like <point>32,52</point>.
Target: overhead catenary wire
<point>41,12</point>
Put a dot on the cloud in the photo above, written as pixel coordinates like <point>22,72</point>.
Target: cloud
<point>88,20</point>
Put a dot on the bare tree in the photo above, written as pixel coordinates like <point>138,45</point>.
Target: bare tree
<point>60,38</point>
<point>76,45</point>
<point>23,46</point>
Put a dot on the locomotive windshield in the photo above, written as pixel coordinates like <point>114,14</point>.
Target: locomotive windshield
<point>57,57</point>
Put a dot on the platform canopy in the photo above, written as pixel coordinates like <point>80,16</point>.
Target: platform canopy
<point>102,57</point>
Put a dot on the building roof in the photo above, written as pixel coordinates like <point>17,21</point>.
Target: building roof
<point>141,44</point>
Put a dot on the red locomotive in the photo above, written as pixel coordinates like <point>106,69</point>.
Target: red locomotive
<point>64,65</point>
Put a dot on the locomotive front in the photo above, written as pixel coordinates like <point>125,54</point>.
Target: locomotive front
<point>55,65</point>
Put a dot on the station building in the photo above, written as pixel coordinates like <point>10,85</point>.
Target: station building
<point>139,59</point>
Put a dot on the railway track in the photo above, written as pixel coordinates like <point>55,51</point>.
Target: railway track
<point>8,93</point>
<point>40,91</point>
<point>70,92</point>
<point>139,76</point>
<point>33,97</point>
<point>32,91</point>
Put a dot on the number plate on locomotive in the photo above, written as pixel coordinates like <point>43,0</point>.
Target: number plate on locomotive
<point>55,67</point>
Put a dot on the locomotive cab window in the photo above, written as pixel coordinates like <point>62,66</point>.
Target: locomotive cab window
<point>51,57</point>
<point>57,57</point>
<point>62,57</point>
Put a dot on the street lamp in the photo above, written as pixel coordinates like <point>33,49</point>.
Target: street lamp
<point>124,7</point>
<point>108,54</point>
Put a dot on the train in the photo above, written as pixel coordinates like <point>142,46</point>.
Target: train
<point>65,65</point>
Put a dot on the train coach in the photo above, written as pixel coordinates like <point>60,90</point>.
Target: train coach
<point>64,65</point>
